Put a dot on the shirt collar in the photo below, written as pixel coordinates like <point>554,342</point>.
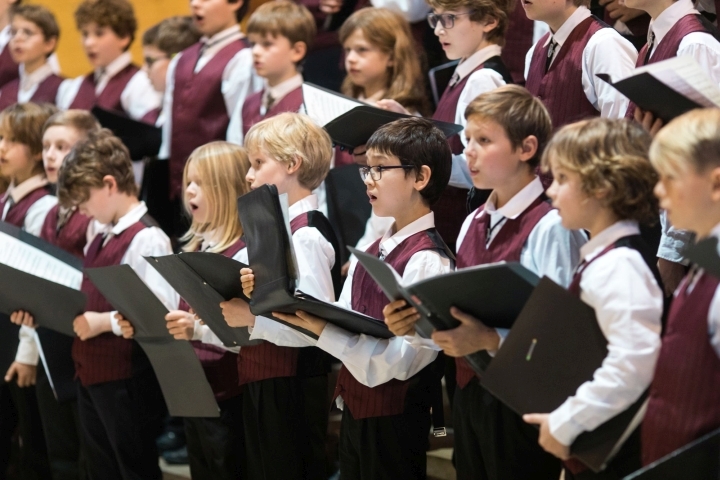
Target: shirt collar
<point>28,81</point>
<point>669,17</point>
<point>280,90</point>
<point>18,192</point>
<point>467,66</point>
<point>4,37</point>
<point>610,235</point>
<point>390,241</point>
<point>114,67</point>
<point>517,204</point>
<point>561,36</point>
<point>227,35</point>
<point>129,219</point>
<point>303,206</point>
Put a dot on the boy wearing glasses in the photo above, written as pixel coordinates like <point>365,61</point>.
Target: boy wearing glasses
<point>34,34</point>
<point>561,68</point>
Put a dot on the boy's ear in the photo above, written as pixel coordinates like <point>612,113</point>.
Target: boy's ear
<point>528,148</point>
<point>491,23</point>
<point>294,166</point>
<point>715,184</point>
<point>298,52</point>
<point>422,177</point>
<point>110,182</point>
<point>50,45</point>
<point>126,42</point>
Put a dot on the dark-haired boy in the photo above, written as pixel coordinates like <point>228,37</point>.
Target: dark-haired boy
<point>108,29</point>
<point>119,400</point>
<point>506,133</point>
<point>385,386</point>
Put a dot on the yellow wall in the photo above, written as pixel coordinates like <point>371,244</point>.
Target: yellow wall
<point>148,12</point>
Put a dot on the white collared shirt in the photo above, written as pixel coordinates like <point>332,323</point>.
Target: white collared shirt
<point>29,83</point>
<point>5,37</point>
<point>412,10</point>
<point>606,52</point>
<point>550,249</point>
<point>137,99</point>
<point>628,304</point>
<point>374,361</point>
<point>239,80</point>
<point>149,242</point>
<point>37,212</point>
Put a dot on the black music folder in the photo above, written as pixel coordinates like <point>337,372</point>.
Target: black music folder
<point>554,347</point>
<point>182,379</point>
<point>56,357</point>
<point>205,280</point>
<point>271,257</point>
<point>699,460</point>
<point>705,255</point>
<point>141,139</point>
<point>348,207</point>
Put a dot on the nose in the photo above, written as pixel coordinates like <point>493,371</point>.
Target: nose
<point>659,190</point>
<point>552,191</point>
<point>351,56</point>
<point>250,176</point>
<point>438,28</point>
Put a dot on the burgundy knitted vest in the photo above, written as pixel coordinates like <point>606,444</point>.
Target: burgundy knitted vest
<point>367,297</point>
<point>668,47</point>
<point>267,360</point>
<point>219,365</point>
<point>71,236</point>
<point>9,70</point>
<point>199,113</point>
<point>517,43</point>
<point>685,392</point>
<point>561,88</point>
<point>16,214</point>
<point>107,357</point>
<point>109,98</point>
<point>45,93</point>
<point>506,246</point>
<point>251,108</point>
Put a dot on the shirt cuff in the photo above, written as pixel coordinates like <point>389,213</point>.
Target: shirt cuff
<point>333,340</point>
<point>115,325</point>
<point>27,352</point>
<point>563,427</point>
<point>263,328</point>
<point>673,244</point>
<point>418,341</point>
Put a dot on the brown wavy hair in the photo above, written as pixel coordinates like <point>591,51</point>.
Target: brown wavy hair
<point>23,123</point>
<point>389,32</point>
<point>611,157</point>
<point>118,15</point>
<point>499,10</point>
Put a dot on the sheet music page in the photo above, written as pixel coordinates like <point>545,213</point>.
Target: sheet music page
<point>686,76</point>
<point>28,259</point>
<point>324,106</point>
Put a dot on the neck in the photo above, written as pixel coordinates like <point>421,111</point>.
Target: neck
<point>656,7</point>
<point>275,80</point>
<point>221,29</point>
<point>374,87</point>
<point>125,204</point>
<point>558,20</point>
<point>504,193</point>
<point>483,44</point>
<point>409,214</point>
<point>22,177</point>
<point>296,194</point>
<point>604,219</point>
<point>34,65</point>
<point>711,220</point>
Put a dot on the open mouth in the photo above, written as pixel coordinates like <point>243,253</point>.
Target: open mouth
<point>371,197</point>
<point>193,207</point>
<point>198,18</point>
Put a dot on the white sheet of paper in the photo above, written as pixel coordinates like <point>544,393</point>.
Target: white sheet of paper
<point>20,255</point>
<point>323,106</point>
<point>686,76</point>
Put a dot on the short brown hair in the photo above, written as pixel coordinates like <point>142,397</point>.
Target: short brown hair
<point>518,112</point>
<point>92,159</point>
<point>80,120</point>
<point>23,123</point>
<point>285,18</point>
<point>40,16</point>
<point>611,157</point>
<point>499,10</point>
<point>289,136</point>
<point>172,35</point>
<point>118,15</point>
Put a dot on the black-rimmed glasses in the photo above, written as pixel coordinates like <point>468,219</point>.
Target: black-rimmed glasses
<point>447,20</point>
<point>376,172</point>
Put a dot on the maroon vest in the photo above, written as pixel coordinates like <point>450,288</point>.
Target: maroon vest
<point>16,214</point>
<point>107,357</point>
<point>669,46</point>
<point>199,114</point>
<point>219,365</point>
<point>267,360</point>
<point>367,297</point>
<point>685,392</point>
<point>251,108</point>
<point>506,246</point>
<point>9,70</point>
<point>45,93</point>
<point>517,43</point>
<point>561,88</point>
<point>109,99</point>
<point>71,236</point>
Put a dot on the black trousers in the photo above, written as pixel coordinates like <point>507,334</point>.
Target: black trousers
<point>61,425</point>
<point>216,446</point>
<point>120,421</point>
<point>286,422</point>
<point>384,448</point>
<point>19,410</point>
<point>493,443</point>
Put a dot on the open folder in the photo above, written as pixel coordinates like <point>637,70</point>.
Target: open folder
<point>699,460</point>
<point>182,379</point>
<point>668,88</point>
<point>705,255</point>
<point>141,139</point>
<point>554,347</point>
<point>205,280</point>
<point>271,257</point>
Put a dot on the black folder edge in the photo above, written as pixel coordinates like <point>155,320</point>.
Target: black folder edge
<point>231,337</point>
<point>182,380</point>
<point>141,139</point>
<point>650,94</point>
<point>705,255</point>
<point>56,355</point>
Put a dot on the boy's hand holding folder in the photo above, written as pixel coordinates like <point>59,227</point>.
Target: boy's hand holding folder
<point>91,324</point>
<point>180,324</point>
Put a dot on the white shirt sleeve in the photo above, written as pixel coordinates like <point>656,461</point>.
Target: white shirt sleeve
<point>628,304</point>
<point>239,81</point>
<point>374,361</point>
<point>139,97</point>
<point>705,50</point>
<point>607,52</point>
<point>413,10</point>
<point>67,92</point>
<point>167,107</point>
<point>27,352</point>
<point>673,242</point>
<point>35,217</point>
<point>205,335</point>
